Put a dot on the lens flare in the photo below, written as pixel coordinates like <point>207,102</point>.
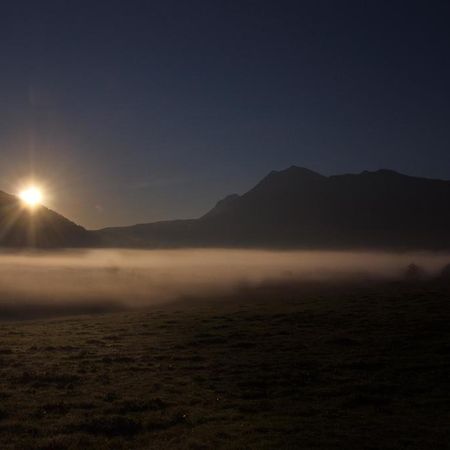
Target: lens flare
<point>31,196</point>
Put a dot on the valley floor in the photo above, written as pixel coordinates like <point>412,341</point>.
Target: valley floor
<point>351,367</point>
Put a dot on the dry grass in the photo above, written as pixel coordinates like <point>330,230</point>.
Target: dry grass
<point>351,367</point>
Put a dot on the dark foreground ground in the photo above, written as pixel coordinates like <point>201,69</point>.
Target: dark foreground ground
<point>348,367</point>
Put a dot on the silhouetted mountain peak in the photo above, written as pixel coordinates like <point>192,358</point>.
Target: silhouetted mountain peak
<point>40,227</point>
<point>299,208</point>
<point>295,171</point>
<point>287,179</point>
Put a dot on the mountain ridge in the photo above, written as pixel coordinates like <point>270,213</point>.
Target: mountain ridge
<point>39,227</point>
<point>299,208</point>
<point>294,208</point>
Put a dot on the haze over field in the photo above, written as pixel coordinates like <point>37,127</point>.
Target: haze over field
<point>86,281</point>
<point>224,225</point>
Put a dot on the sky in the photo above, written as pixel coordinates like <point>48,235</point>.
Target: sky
<point>135,111</point>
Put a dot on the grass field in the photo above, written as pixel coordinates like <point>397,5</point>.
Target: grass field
<point>345,366</point>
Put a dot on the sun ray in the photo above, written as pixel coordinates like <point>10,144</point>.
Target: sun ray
<point>31,196</point>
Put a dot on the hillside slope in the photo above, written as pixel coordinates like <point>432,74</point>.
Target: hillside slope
<point>39,227</point>
<point>303,209</point>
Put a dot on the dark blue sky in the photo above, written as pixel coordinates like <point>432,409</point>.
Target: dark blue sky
<point>133,111</point>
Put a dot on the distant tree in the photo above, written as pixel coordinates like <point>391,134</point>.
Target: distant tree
<point>445,273</point>
<point>414,273</point>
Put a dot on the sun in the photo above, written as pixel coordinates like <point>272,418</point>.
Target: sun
<point>32,196</point>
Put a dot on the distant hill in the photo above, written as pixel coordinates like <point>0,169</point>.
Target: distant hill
<point>299,208</point>
<point>40,227</point>
<point>292,208</point>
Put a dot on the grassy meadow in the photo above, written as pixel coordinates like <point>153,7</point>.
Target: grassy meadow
<point>360,366</point>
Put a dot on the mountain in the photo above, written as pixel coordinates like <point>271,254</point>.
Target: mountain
<point>39,227</point>
<point>299,208</point>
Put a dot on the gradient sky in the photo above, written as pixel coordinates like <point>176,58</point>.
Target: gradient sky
<point>134,111</point>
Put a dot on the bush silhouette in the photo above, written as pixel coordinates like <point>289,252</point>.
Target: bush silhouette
<point>414,273</point>
<point>445,273</point>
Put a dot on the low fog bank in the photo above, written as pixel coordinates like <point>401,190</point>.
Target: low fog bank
<point>42,284</point>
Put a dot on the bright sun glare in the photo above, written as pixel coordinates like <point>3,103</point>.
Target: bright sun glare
<point>31,196</point>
